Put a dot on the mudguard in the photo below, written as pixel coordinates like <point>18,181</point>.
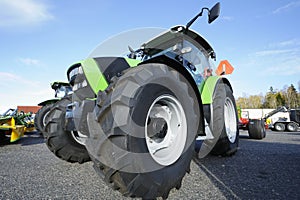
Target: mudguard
<point>208,87</point>
<point>49,101</point>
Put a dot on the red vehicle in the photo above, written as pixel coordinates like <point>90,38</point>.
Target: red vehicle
<point>243,119</point>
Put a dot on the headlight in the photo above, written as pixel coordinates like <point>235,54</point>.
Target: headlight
<point>77,78</point>
<point>79,85</point>
<point>63,91</point>
<point>73,73</point>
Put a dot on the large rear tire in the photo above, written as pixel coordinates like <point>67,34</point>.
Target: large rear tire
<point>61,142</point>
<point>40,119</point>
<point>257,129</point>
<point>143,138</point>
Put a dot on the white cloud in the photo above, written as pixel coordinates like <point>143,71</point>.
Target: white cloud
<point>287,7</point>
<point>280,59</point>
<point>289,43</point>
<point>283,69</point>
<point>286,63</point>
<point>8,78</point>
<point>19,90</point>
<point>30,61</point>
<point>23,13</point>
<point>273,52</point>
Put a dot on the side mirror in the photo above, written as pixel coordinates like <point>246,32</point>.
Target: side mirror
<point>214,13</point>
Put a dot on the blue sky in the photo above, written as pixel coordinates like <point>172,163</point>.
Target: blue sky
<point>41,38</point>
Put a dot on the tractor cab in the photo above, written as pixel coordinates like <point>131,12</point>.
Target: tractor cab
<point>185,47</point>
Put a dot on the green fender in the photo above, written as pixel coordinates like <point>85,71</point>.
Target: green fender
<point>95,77</point>
<point>207,89</point>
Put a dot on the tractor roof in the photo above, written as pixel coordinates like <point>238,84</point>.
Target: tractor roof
<point>173,35</point>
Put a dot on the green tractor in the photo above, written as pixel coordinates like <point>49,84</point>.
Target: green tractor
<point>141,118</point>
<point>61,89</point>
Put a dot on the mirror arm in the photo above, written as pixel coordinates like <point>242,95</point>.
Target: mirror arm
<point>196,17</point>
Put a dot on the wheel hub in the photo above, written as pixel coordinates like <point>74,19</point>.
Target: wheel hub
<point>166,130</point>
<point>157,129</point>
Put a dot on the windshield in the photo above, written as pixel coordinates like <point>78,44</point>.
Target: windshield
<point>186,47</point>
<point>118,45</point>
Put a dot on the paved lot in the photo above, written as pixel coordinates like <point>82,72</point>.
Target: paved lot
<point>262,169</point>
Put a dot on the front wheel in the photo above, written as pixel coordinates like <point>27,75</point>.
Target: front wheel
<point>63,143</point>
<point>142,140</point>
<point>224,122</point>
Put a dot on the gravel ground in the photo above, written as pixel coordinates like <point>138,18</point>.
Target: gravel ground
<point>261,169</point>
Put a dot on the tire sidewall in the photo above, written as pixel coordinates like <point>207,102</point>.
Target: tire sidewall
<point>59,141</point>
<point>149,90</point>
<point>257,129</point>
<point>39,123</point>
<point>223,146</point>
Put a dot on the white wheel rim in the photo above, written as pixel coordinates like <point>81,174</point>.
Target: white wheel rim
<point>166,130</point>
<point>45,118</point>
<point>79,137</point>
<point>279,127</point>
<point>230,120</point>
<point>291,127</point>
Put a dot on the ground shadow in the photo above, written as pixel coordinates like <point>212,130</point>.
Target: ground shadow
<point>32,138</point>
<point>29,138</point>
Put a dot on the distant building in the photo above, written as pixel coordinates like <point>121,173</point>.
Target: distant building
<point>26,109</point>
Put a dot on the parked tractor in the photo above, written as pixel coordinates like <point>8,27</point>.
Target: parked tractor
<point>61,89</point>
<point>142,117</point>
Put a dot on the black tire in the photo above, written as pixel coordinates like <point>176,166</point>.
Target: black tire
<point>225,131</point>
<point>119,135</point>
<point>292,127</point>
<point>40,119</point>
<point>279,126</point>
<point>257,129</point>
<point>61,142</point>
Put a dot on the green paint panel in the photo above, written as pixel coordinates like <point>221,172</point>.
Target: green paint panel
<point>207,89</point>
<point>93,75</point>
<point>132,62</point>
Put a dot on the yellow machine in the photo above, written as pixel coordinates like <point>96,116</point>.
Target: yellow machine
<point>15,124</point>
